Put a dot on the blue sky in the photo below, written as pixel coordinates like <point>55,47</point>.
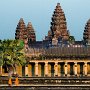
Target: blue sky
<point>39,12</point>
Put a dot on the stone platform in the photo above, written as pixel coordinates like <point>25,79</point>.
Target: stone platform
<point>47,83</point>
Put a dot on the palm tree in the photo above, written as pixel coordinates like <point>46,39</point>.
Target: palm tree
<point>12,54</point>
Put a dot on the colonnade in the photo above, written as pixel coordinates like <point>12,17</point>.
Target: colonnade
<point>77,69</point>
<point>55,68</point>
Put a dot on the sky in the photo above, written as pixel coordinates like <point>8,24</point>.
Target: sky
<point>39,12</point>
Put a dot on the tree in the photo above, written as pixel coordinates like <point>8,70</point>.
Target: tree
<point>71,39</point>
<point>12,54</point>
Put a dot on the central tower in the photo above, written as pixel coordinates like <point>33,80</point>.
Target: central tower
<point>58,27</point>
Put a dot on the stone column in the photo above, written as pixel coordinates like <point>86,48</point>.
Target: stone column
<point>56,68</point>
<point>75,72</point>
<point>36,68</point>
<point>26,70</point>
<point>65,68</point>
<point>0,70</point>
<point>46,68</point>
<point>85,68</point>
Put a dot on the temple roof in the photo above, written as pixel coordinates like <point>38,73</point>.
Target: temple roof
<point>68,52</point>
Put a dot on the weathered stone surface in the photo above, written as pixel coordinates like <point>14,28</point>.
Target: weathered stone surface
<point>21,30</point>
<point>86,34</point>
<point>31,32</point>
<point>47,83</point>
<point>25,33</point>
<point>58,27</point>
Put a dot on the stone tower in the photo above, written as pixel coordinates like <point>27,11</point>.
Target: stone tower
<point>31,33</point>
<point>21,32</point>
<point>58,27</point>
<point>86,34</point>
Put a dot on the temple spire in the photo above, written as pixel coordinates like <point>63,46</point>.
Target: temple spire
<point>21,20</point>
<point>31,32</point>
<point>86,34</point>
<point>21,30</point>
<point>58,24</point>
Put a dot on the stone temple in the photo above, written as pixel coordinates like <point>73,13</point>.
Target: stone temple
<point>58,55</point>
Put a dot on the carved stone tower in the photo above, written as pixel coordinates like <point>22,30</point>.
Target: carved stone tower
<point>21,32</point>
<point>58,27</point>
<point>86,34</point>
<point>31,33</point>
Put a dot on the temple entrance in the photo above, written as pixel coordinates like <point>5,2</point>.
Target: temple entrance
<point>42,70</point>
<point>33,70</point>
<point>71,69</point>
<point>62,69</point>
<point>23,70</point>
<point>81,69</point>
<point>52,69</point>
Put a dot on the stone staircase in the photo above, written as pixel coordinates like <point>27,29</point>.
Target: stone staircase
<point>45,83</point>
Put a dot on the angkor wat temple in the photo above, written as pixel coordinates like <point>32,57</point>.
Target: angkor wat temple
<point>58,55</point>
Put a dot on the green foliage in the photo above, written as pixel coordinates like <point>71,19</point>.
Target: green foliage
<point>71,39</point>
<point>21,43</point>
<point>1,61</point>
<point>11,53</point>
